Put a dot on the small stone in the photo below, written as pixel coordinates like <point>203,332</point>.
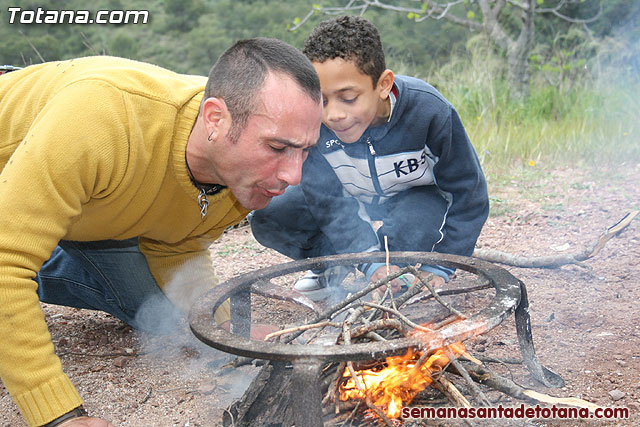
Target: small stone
<point>63,341</point>
<point>121,361</point>
<point>616,394</point>
<point>207,389</point>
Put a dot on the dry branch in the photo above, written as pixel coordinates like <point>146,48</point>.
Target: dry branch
<point>478,394</point>
<point>554,261</point>
<point>301,328</point>
<point>426,283</point>
<point>450,391</point>
<point>508,387</point>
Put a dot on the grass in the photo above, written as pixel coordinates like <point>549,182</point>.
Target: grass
<point>250,247</point>
<point>588,121</point>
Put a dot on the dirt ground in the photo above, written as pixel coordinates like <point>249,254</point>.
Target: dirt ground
<point>585,320</point>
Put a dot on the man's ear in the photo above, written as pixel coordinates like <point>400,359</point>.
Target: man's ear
<point>385,83</point>
<point>216,118</point>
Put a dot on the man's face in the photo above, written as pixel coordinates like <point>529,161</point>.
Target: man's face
<point>351,102</point>
<point>268,155</point>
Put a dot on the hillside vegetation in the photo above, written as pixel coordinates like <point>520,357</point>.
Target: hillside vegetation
<point>582,108</point>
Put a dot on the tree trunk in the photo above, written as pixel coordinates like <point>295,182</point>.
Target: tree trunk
<point>518,55</point>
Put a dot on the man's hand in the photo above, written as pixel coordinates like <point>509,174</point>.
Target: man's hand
<point>86,422</point>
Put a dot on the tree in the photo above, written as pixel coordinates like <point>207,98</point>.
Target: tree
<point>509,24</point>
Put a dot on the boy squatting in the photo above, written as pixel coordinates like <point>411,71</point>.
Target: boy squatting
<point>391,149</point>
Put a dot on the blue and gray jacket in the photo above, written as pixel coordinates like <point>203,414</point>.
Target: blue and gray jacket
<point>422,151</point>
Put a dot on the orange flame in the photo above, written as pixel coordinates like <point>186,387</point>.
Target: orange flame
<point>398,383</point>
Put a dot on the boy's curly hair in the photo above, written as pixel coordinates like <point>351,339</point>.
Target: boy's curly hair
<point>351,38</point>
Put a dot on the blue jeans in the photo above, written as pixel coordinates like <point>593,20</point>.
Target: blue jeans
<point>109,275</point>
<point>288,225</point>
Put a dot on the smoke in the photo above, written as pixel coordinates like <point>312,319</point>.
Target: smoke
<point>168,338</point>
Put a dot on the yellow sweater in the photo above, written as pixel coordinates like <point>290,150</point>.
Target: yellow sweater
<point>93,149</point>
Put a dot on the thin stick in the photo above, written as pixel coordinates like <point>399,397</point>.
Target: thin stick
<point>301,328</point>
<point>386,250</point>
<point>336,382</point>
<point>490,379</point>
<point>482,398</point>
<point>32,46</point>
<point>347,339</point>
<point>446,321</point>
<point>378,412</point>
<point>401,316</point>
<point>434,293</point>
<point>73,353</point>
<point>356,378</point>
<point>489,359</point>
<point>379,324</point>
<point>446,292</point>
<point>375,337</point>
<point>414,290</point>
<point>353,413</point>
<point>447,388</point>
<point>421,361</point>
<point>389,291</point>
<point>147,396</point>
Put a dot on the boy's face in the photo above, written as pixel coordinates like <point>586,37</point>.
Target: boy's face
<point>351,102</point>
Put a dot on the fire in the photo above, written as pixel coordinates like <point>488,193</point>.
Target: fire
<point>398,383</point>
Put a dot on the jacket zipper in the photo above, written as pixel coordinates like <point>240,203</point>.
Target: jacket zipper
<point>372,168</point>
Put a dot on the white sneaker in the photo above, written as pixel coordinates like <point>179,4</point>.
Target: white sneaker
<point>316,286</point>
<point>313,286</point>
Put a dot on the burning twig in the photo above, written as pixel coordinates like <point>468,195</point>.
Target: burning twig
<point>335,383</point>
<point>378,412</point>
<point>560,260</point>
<point>346,335</point>
<point>352,414</point>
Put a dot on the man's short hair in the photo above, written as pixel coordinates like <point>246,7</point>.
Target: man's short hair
<point>240,73</point>
<point>351,38</point>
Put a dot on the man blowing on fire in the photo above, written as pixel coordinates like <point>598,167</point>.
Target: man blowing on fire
<point>116,176</point>
<point>391,149</point>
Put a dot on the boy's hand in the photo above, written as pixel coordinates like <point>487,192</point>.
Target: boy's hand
<point>381,273</point>
<point>398,284</point>
<point>436,281</point>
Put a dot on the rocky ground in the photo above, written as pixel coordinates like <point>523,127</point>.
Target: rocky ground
<point>585,319</point>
